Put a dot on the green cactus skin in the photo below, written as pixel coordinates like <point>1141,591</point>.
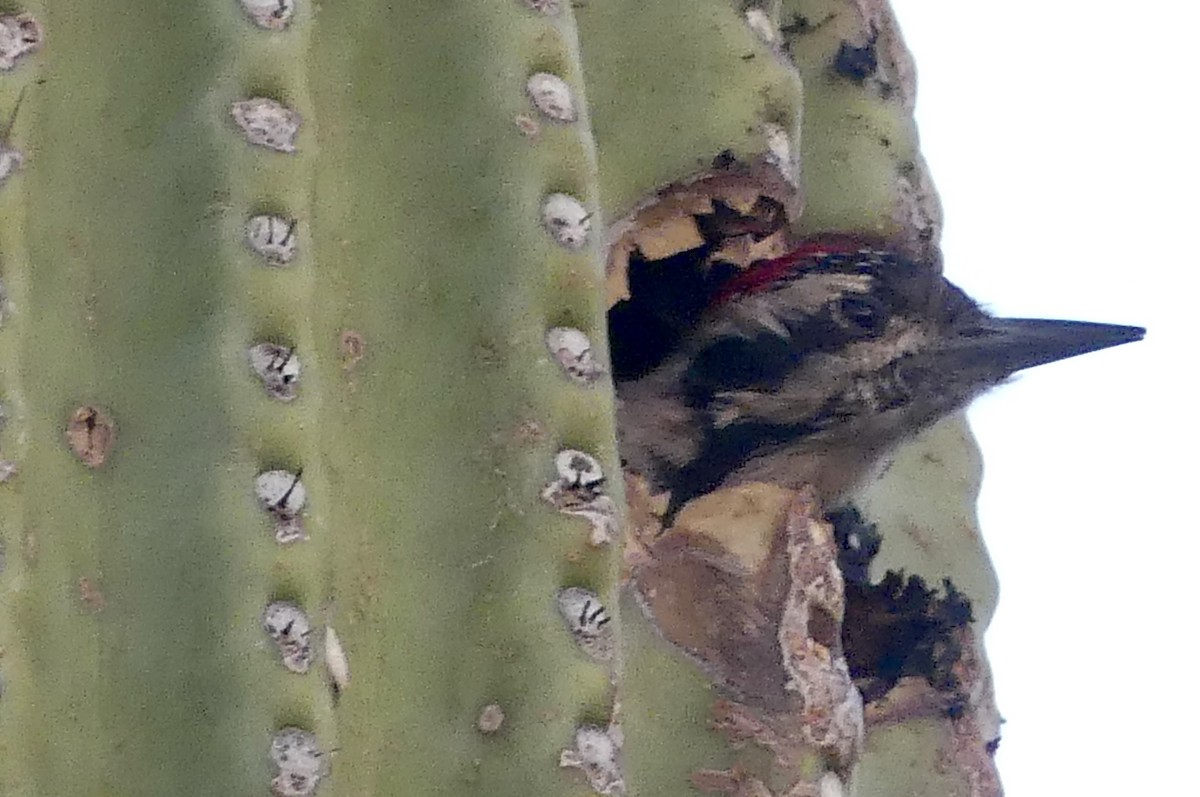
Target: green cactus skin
<point>429,551</point>
<point>859,136</point>
<point>132,658</point>
<point>663,106</point>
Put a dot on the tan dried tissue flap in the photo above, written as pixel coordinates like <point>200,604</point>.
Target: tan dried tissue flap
<point>665,223</point>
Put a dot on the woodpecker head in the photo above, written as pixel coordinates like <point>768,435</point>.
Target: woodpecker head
<point>808,368</point>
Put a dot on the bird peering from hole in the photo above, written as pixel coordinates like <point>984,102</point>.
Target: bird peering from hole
<point>808,368</point>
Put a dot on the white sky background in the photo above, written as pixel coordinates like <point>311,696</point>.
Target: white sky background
<point>1062,137</point>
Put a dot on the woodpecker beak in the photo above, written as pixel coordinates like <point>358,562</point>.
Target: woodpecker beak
<point>1014,344</point>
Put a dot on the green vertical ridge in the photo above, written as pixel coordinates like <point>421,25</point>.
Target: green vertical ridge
<point>266,303</point>
<point>141,696</point>
<point>429,245</point>
<point>430,552</point>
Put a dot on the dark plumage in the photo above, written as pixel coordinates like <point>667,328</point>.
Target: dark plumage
<point>806,369</point>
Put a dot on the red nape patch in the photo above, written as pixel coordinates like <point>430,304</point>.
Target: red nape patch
<point>765,273</point>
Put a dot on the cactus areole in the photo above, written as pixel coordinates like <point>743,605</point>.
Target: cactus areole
<point>304,325</point>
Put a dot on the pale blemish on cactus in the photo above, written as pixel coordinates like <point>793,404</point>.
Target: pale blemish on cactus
<point>282,495</point>
<point>588,621</point>
<point>547,7</point>
<point>11,160</point>
<point>552,96</point>
<point>272,237</point>
<point>579,490</point>
<point>269,14</point>
<point>299,762</point>
<point>763,26</point>
<point>290,630</point>
<point>572,350</point>
<point>567,221</point>
<point>20,35</point>
<point>267,123</point>
<point>8,468</point>
<point>491,719</point>
<point>278,368</point>
<point>595,753</point>
<point>781,154</point>
<point>578,470</point>
<point>336,661</point>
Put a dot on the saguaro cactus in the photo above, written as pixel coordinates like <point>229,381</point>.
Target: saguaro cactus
<point>308,480</point>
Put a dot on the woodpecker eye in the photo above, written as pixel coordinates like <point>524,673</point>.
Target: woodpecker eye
<point>861,314</point>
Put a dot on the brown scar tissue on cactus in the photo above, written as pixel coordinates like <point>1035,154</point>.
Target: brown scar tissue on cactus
<point>91,433</point>
<point>764,618</point>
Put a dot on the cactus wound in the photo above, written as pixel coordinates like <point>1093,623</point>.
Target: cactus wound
<point>681,242</point>
<point>90,595</point>
<point>898,628</point>
<point>810,638</point>
<point>971,730</point>
<point>353,347</point>
<point>90,435</point>
<point>735,213</point>
<point>746,583</point>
